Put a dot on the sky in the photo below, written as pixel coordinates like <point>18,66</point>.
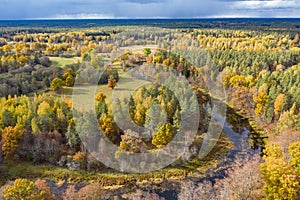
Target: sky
<point>94,9</point>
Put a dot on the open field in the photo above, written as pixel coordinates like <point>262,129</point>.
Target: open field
<point>140,48</point>
<point>62,62</point>
<point>125,84</point>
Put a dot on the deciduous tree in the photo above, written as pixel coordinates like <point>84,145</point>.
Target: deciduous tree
<point>10,140</point>
<point>163,135</point>
<point>112,83</point>
<point>56,85</point>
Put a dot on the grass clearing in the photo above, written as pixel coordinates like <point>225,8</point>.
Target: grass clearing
<point>107,178</point>
<point>62,62</point>
<point>140,48</point>
<point>126,85</point>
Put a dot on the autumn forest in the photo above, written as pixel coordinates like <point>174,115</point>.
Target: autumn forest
<point>234,84</point>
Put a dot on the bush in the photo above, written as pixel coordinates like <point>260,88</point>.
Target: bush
<point>25,190</point>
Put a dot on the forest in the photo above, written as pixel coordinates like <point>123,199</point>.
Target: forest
<point>243,93</point>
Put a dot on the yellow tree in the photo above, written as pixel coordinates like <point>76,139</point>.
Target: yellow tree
<point>112,83</point>
<point>10,140</point>
<point>279,176</point>
<point>261,100</point>
<point>288,119</point>
<point>238,80</point>
<point>278,104</point>
<point>70,80</point>
<point>56,85</point>
<point>24,189</point>
<point>7,48</point>
<point>44,108</point>
<point>108,128</point>
<point>100,96</point>
<point>163,135</point>
<point>294,151</point>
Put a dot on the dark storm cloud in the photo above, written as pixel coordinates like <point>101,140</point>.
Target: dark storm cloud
<point>20,9</point>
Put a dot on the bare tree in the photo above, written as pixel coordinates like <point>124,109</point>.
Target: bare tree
<point>142,195</point>
<point>191,191</point>
<point>243,182</point>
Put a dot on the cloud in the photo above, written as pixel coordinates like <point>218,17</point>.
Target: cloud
<point>83,16</point>
<point>77,9</point>
<point>271,4</point>
<point>267,8</point>
<point>172,9</point>
<point>144,1</point>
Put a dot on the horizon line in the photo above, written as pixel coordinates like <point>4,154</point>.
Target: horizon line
<point>149,18</point>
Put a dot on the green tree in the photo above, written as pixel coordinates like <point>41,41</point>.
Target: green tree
<point>70,80</point>
<point>71,134</point>
<point>46,82</point>
<point>8,119</point>
<point>147,51</point>
<point>56,85</point>
<point>101,107</point>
